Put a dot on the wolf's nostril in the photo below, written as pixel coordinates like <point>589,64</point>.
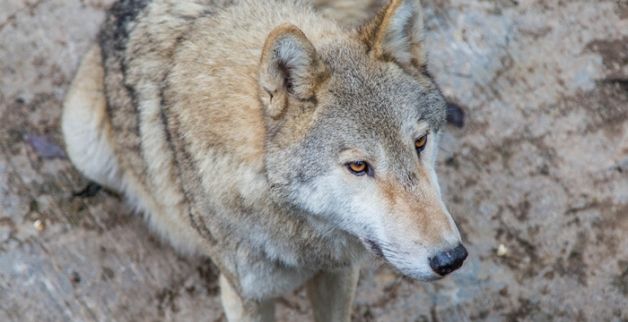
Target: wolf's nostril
<point>448,261</point>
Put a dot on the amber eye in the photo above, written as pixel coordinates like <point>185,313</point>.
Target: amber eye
<point>358,168</point>
<point>419,144</point>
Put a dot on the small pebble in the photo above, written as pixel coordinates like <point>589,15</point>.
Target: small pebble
<point>502,250</point>
<point>75,278</point>
<point>39,225</point>
<point>455,115</point>
<point>45,146</point>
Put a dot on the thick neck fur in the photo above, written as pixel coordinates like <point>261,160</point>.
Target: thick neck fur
<point>216,68</point>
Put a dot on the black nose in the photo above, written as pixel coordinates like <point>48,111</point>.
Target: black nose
<point>448,261</point>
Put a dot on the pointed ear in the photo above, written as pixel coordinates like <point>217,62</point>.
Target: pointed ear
<point>289,68</point>
<point>396,33</point>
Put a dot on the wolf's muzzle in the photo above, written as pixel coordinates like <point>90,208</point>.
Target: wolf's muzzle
<point>448,261</point>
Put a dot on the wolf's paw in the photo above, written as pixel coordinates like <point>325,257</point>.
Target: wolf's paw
<point>90,190</point>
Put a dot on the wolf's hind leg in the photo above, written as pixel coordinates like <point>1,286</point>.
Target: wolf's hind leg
<point>86,128</point>
<point>238,310</point>
<point>331,294</point>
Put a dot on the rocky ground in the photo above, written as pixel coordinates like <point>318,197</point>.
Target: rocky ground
<point>537,177</point>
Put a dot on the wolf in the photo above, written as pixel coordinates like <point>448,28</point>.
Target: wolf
<point>269,138</point>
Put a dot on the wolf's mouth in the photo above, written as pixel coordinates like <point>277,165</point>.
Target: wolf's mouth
<point>374,247</point>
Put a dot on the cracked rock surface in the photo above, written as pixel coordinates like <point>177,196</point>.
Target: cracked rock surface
<point>537,178</point>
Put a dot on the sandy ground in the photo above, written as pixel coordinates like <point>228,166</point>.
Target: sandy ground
<point>540,168</point>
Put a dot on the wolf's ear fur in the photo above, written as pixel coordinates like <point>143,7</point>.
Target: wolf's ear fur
<point>289,68</point>
<point>396,33</point>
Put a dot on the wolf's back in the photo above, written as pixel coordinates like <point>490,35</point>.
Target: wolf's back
<point>120,94</point>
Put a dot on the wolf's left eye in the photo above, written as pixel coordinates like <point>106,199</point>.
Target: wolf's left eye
<point>420,143</point>
<point>359,168</point>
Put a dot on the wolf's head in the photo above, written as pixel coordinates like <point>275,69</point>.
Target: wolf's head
<point>352,135</point>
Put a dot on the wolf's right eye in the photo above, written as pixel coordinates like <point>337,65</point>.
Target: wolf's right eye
<point>359,168</point>
<point>420,143</point>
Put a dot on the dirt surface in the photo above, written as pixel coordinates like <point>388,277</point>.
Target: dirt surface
<point>537,178</point>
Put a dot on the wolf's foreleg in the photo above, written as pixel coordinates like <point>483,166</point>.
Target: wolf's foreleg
<point>331,294</point>
<point>238,310</point>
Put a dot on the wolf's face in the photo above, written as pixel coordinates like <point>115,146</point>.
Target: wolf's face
<point>352,137</point>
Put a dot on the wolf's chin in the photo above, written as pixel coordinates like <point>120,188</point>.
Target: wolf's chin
<point>423,277</point>
<point>376,250</point>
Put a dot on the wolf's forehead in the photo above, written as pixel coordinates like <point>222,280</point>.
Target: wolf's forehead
<point>378,95</point>
<point>384,93</point>
<point>358,83</point>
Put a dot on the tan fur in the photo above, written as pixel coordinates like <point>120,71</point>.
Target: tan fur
<point>308,72</point>
<point>200,112</point>
<point>418,211</point>
<point>89,140</point>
